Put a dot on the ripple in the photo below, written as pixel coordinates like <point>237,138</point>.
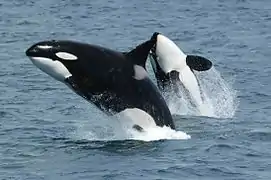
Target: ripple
<point>263,95</point>
<point>67,17</point>
<point>261,134</point>
<point>12,166</point>
<point>4,114</point>
<point>223,171</point>
<point>121,147</point>
<point>27,22</point>
<point>253,155</point>
<point>220,147</point>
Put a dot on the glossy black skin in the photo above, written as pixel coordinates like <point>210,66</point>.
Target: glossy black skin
<point>106,77</point>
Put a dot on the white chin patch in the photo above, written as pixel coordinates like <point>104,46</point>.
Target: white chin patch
<point>54,68</point>
<point>140,72</point>
<point>66,56</point>
<point>170,55</point>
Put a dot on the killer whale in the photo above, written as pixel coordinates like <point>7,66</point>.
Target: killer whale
<point>174,69</point>
<point>113,81</point>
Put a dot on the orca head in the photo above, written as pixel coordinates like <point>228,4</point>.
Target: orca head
<point>52,57</point>
<point>172,68</point>
<point>167,57</point>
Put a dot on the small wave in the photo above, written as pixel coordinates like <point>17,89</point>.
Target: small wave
<point>263,134</point>
<point>220,147</point>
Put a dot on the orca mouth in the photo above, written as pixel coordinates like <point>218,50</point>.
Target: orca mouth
<point>154,61</point>
<point>154,57</point>
<point>31,52</point>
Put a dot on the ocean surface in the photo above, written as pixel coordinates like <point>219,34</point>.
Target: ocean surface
<point>49,132</point>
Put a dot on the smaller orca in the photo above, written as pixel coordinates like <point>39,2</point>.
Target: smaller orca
<point>173,68</point>
<point>111,80</point>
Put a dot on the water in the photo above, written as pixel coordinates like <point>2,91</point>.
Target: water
<point>48,132</point>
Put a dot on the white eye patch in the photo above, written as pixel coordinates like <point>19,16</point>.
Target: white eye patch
<point>44,46</point>
<point>66,56</point>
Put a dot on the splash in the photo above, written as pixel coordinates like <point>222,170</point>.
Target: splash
<point>218,93</point>
<point>157,133</point>
<point>121,128</point>
<point>119,133</point>
<point>219,98</point>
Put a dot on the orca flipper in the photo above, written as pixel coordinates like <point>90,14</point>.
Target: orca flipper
<point>140,54</point>
<point>198,63</point>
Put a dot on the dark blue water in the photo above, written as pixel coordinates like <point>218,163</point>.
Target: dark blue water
<point>48,132</point>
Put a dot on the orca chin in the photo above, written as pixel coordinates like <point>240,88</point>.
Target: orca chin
<point>53,68</point>
<point>113,81</point>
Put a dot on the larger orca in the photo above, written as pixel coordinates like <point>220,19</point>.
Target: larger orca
<point>173,68</point>
<point>111,80</point>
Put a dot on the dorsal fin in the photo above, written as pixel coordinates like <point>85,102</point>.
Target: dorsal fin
<point>139,55</point>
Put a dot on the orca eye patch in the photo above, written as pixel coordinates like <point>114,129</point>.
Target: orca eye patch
<point>66,56</point>
<point>44,46</point>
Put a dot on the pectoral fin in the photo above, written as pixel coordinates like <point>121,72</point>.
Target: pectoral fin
<point>198,63</point>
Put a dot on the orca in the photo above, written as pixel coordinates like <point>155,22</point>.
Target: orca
<point>113,81</point>
<point>174,69</point>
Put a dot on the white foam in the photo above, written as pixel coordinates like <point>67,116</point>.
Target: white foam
<point>114,133</point>
<point>157,133</point>
<point>108,128</point>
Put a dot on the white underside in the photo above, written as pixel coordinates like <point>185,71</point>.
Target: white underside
<point>150,131</point>
<point>170,58</point>
<point>54,68</point>
<point>190,82</point>
<point>135,116</point>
